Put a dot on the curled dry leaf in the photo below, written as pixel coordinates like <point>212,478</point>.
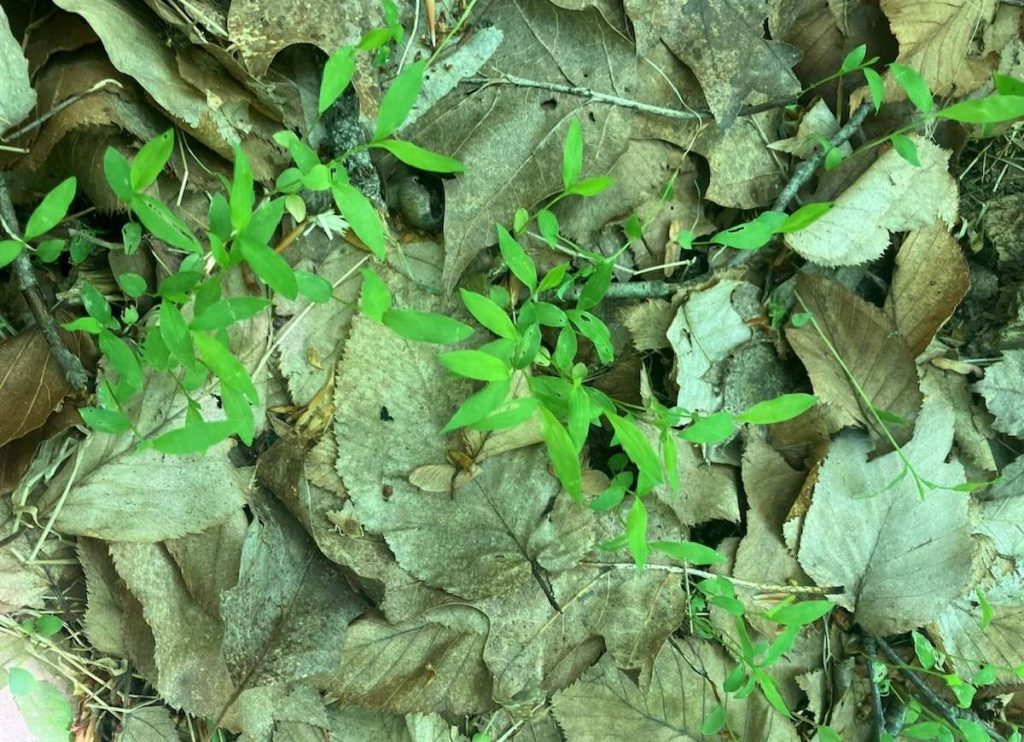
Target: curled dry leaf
<point>931,279</point>
<point>865,340</point>
<point>891,196</point>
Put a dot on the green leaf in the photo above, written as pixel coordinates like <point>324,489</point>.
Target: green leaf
<point>475,364</point>
<point>265,222</point>
<point>238,412</point>
<point>9,250</point>
<point>178,286</point>
<point>596,286</point>
<point>399,99</point>
<point>876,86</point>
<point>972,730</point>
<point>565,349</point>
<point>488,314</point>
<point>687,551</point>
<point>639,450</point>
<point>131,237</point>
<point>118,174</point>
<point>242,197</point>
<point>991,110</point>
<point>374,298</point>
<point>361,216</point>
<point>852,60</point>
<point>554,278</point>
<point>21,682</point>
<point>122,360</point>
<point>220,217</point>
<point>150,160</point>
<point>714,722</point>
<point>636,533</point>
<point>579,416</point>
<point>303,155</point>
<point>746,236</point>
<point>915,87</point>
<point>827,734</point>
<point>905,148</point>
<point>132,284</point>
<point>833,159</point>
<point>422,159</point>
<point>572,154</point>
<point>426,327</point>
<point>48,250</point>
<point>800,614</point>
<point>784,407</point>
<point>227,312</point>
<point>225,366</point>
<point>596,331</point>
<point>771,692</point>
<point>519,220</point>
<point>270,267</point>
<point>591,186</point>
<point>52,209</point>
<point>337,75</point>
<point>547,223</point>
<point>562,453</point>
<point>779,646</point>
<point>96,305</point>
<point>105,421</point>
<point>163,224</point>
<point>804,217</point>
<point>175,334</point>
<point>521,264</point>
<point>479,405</point>
<point>709,429</point>
<point>986,675</point>
<point>194,438</point>
<point>986,609</point>
<point>514,413</point>
<point>613,494</point>
<point>318,290</point>
<point>47,625</point>
<point>924,650</point>
<point>1006,85</point>
<point>83,324</point>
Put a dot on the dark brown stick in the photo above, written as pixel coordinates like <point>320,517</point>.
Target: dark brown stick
<point>69,363</point>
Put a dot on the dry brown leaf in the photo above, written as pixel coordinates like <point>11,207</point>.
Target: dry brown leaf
<point>891,196</point>
<point>936,39</point>
<point>931,279</point>
<point>31,384</point>
<point>817,122</point>
<point>865,340</point>
<point>648,323</point>
<point>18,98</point>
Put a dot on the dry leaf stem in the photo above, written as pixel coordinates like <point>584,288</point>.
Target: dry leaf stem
<point>25,275</point>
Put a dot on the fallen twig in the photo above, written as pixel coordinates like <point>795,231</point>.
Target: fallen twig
<point>24,274</point>
<point>877,715</point>
<point>946,711</point>
<point>60,107</point>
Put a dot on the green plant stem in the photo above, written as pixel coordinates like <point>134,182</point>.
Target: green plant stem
<point>451,34</point>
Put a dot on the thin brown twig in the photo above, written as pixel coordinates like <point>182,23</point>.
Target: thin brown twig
<point>69,363</point>
<point>943,709</point>
<point>70,101</point>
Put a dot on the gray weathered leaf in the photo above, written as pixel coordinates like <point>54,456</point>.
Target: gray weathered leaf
<point>272,713</point>
<point>103,619</point>
<point>148,724</point>
<point>286,618</point>
<point>209,561</point>
<point>1003,390</point>
<point>17,98</point>
<point>901,558</point>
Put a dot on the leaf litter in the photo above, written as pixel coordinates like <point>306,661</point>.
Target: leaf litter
<point>359,572</point>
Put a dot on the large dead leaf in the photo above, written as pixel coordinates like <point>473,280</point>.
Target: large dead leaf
<point>873,353</point>
<point>937,40</point>
<point>17,98</point>
<point>285,620</point>
<point>430,663</point>
<point>190,672</point>
<point>969,646</point>
<point>744,173</point>
<point>1003,391</point>
<point>209,560</point>
<point>891,196</point>
<point>931,279</point>
<point>513,135</point>
<point>681,693</point>
<point>119,494</point>
<point>901,557</point>
<point>723,42</point>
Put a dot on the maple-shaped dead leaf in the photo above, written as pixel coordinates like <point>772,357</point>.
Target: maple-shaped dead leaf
<point>869,348</point>
<point>930,280</point>
<point>891,196</point>
<point>937,40</point>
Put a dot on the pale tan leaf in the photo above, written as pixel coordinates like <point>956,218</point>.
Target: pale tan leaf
<point>891,196</point>
<point>148,724</point>
<point>817,123</point>
<point>901,557</point>
<point>931,279</point>
<point>282,712</point>
<point>21,585</point>
<point>103,618</point>
<point>959,634</point>
<point>1003,390</point>
<point>31,383</point>
<point>648,323</point>
<point>17,98</point>
<point>937,40</point>
<point>876,356</point>
<point>209,560</point>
